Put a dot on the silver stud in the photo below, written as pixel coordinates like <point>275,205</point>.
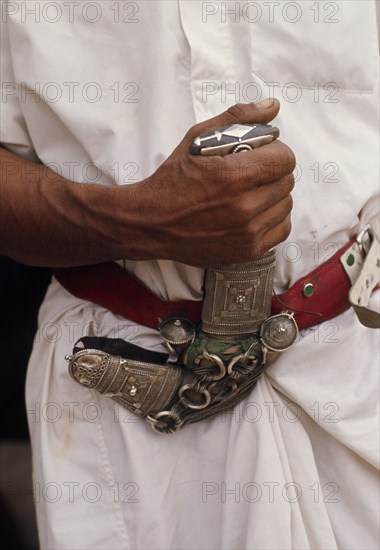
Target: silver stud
<point>177,331</point>
<point>240,299</point>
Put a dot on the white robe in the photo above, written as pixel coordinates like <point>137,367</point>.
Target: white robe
<point>104,91</point>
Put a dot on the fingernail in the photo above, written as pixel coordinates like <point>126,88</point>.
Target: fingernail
<point>266,103</point>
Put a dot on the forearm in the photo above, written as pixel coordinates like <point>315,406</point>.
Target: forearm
<point>202,211</point>
<point>50,221</point>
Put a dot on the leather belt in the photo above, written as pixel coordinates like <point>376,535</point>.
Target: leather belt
<point>319,296</point>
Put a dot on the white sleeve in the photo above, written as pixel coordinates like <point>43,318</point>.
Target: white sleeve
<point>14,133</point>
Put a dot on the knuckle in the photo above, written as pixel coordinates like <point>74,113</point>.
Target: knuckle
<point>194,132</point>
<point>239,211</point>
<point>238,112</point>
<point>209,169</point>
<point>255,231</point>
<point>288,204</point>
<point>284,208</point>
<point>287,184</point>
<point>290,159</point>
<point>190,135</point>
<point>286,228</point>
<point>285,157</point>
<point>291,202</point>
<point>289,178</point>
<point>244,212</point>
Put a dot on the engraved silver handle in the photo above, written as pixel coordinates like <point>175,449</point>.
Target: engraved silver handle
<point>237,297</point>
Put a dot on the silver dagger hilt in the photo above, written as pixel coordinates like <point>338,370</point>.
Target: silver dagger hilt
<point>237,298</point>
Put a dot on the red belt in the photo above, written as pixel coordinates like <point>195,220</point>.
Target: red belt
<point>317,297</point>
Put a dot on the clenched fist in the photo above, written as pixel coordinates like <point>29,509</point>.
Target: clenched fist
<point>209,211</point>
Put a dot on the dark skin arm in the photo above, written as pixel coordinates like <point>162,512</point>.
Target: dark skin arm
<point>195,210</point>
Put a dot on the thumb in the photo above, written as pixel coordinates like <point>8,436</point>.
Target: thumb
<point>261,113</point>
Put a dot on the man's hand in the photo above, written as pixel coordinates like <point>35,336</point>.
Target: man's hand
<point>209,211</point>
<point>202,211</point>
